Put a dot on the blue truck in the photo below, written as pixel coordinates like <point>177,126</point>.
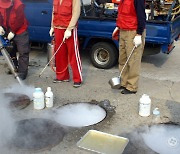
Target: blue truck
<point>97,22</point>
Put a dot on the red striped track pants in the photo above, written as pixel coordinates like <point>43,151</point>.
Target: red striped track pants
<point>67,54</point>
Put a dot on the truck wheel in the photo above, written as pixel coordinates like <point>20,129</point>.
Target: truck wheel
<point>103,55</point>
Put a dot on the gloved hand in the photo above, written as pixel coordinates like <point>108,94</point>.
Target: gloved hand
<point>137,40</point>
<point>2,32</point>
<point>67,34</point>
<point>51,32</point>
<point>10,36</point>
<point>115,34</point>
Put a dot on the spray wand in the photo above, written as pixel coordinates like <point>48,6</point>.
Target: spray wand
<point>3,44</point>
<point>52,57</point>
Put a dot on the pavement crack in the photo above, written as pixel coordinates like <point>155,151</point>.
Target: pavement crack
<point>170,89</point>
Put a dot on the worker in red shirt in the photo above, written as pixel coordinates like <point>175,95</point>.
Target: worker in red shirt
<point>130,23</point>
<point>13,24</point>
<point>64,27</point>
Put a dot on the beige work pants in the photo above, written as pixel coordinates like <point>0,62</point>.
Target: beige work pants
<point>130,74</point>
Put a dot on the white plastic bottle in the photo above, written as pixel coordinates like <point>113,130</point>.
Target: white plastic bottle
<point>38,99</point>
<point>144,106</point>
<point>156,116</point>
<point>49,97</point>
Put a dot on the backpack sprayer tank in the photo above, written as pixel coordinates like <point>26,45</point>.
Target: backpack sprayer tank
<point>3,44</point>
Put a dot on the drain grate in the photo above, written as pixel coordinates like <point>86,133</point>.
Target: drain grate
<point>37,134</point>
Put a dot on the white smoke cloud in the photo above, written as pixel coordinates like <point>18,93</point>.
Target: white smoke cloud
<point>79,114</point>
<point>7,122</point>
<point>163,139</point>
<point>24,89</point>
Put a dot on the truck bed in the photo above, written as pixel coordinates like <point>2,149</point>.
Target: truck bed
<point>157,32</point>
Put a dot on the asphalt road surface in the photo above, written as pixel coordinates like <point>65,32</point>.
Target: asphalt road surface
<point>159,78</point>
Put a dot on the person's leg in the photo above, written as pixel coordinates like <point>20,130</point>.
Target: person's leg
<point>22,43</point>
<point>12,52</point>
<point>61,57</point>
<point>74,57</point>
<point>123,57</point>
<point>134,63</point>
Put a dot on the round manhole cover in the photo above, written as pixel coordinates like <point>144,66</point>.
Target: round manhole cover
<point>17,100</point>
<point>80,114</point>
<point>163,138</point>
<point>36,134</point>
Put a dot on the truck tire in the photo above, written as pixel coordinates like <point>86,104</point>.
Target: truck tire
<point>103,55</point>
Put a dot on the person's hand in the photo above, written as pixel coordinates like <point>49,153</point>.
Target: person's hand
<point>115,34</point>
<point>2,32</point>
<point>137,40</point>
<point>10,36</point>
<point>51,32</point>
<point>67,34</point>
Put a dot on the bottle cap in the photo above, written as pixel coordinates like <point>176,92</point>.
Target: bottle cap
<point>145,97</point>
<point>156,111</point>
<point>38,89</point>
<point>48,88</point>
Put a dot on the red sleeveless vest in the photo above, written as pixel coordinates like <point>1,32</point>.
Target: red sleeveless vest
<point>12,20</point>
<point>62,13</point>
<point>127,18</point>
